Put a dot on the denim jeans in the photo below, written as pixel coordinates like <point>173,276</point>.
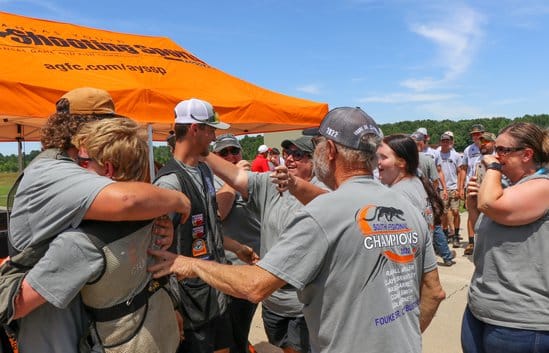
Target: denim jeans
<point>441,244</point>
<point>479,337</point>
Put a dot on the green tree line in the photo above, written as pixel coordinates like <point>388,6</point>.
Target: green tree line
<point>460,128</point>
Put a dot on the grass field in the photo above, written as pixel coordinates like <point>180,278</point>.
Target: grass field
<point>6,181</point>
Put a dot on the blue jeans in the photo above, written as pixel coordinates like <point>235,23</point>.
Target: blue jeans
<point>441,244</point>
<point>479,337</point>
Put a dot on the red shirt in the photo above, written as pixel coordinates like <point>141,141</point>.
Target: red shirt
<point>260,164</point>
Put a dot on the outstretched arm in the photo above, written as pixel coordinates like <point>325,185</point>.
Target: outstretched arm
<point>128,201</point>
<point>249,282</point>
<point>230,173</point>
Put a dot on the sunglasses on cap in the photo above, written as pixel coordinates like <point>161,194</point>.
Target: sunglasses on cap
<point>296,154</point>
<point>232,150</point>
<point>211,119</point>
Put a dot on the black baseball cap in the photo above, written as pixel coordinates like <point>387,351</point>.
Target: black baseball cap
<point>304,143</point>
<point>347,126</point>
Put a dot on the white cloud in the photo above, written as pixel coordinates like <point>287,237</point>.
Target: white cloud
<point>457,37</point>
<point>310,89</point>
<point>407,98</point>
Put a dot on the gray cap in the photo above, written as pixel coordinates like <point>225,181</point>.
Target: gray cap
<point>304,143</point>
<point>418,137</point>
<point>347,126</point>
<point>224,141</point>
<point>446,136</point>
<point>476,128</point>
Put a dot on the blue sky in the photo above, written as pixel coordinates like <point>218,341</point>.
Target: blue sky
<point>397,59</point>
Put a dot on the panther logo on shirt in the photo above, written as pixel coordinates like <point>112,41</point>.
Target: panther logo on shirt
<point>385,228</point>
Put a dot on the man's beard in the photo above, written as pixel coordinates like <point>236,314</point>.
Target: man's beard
<point>322,170</point>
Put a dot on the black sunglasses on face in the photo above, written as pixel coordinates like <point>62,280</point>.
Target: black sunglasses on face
<point>83,161</point>
<point>296,154</point>
<point>503,151</point>
<point>232,150</point>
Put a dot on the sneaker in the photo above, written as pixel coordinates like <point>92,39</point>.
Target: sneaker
<point>448,263</point>
<point>469,249</point>
<point>455,242</point>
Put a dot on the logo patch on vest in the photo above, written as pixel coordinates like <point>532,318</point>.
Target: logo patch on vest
<point>199,247</point>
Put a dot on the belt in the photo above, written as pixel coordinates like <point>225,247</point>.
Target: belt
<point>129,306</point>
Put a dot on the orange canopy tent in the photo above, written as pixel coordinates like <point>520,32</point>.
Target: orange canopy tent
<point>146,76</point>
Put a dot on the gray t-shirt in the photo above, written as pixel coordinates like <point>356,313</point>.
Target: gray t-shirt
<point>171,181</point>
<point>53,196</point>
<point>428,167</point>
<point>471,158</point>
<point>357,256</point>
<point>275,212</point>
<point>241,224</point>
<point>449,163</point>
<point>510,284</point>
<point>414,191</point>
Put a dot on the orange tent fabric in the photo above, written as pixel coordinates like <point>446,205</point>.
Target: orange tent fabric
<point>146,76</point>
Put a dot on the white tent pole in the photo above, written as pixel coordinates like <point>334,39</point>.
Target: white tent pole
<point>19,149</point>
<point>151,154</point>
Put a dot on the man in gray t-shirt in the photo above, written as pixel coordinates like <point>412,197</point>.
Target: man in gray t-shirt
<point>54,194</point>
<point>282,312</point>
<point>360,256</point>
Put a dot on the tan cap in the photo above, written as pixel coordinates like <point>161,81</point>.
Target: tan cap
<point>88,100</point>
<point>488,136</point>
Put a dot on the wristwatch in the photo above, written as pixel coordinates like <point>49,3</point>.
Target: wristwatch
<point>494,166</point>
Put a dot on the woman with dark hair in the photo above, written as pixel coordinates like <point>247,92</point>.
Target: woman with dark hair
<point>398,161</point>
<point>508,302</point>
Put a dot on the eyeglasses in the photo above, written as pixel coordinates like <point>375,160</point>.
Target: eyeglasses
<point>232,150</point>
<point>296,154</point>
<point>84,162</point>
<point>503,151</point>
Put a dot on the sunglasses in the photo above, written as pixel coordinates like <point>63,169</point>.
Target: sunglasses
<point>213,119</point>
<point>503,151</point>
<point>84,162</point>
<point>232,150</point>
<point>296,154</point>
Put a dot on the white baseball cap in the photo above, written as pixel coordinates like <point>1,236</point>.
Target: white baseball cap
<point>423,131</point>
<point>197,111</point>
<point>262,149</point>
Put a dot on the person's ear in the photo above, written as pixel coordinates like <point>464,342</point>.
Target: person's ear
<point>331,150</point>
<point>527,154</point>
<point>109,170</point>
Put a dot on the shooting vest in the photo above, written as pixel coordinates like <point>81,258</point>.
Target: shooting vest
<point>129,311</point>
<point>200,236</point>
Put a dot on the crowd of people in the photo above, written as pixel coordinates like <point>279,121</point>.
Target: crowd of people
<point>335,234</point>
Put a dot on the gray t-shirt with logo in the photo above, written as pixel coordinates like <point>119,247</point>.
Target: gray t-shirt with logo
<point>275,212</point>
<point>357,256</point>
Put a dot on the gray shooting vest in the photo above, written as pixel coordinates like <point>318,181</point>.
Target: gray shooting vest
<point>129,311</point>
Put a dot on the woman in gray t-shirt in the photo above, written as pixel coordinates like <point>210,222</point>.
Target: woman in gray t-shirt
<point>508,302</point>
<point>398,162</point>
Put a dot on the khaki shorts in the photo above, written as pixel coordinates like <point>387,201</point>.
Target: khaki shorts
<point>452,202</point>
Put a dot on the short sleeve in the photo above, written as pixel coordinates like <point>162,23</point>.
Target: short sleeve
<point>70,262</point>
<point>299,255</point>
